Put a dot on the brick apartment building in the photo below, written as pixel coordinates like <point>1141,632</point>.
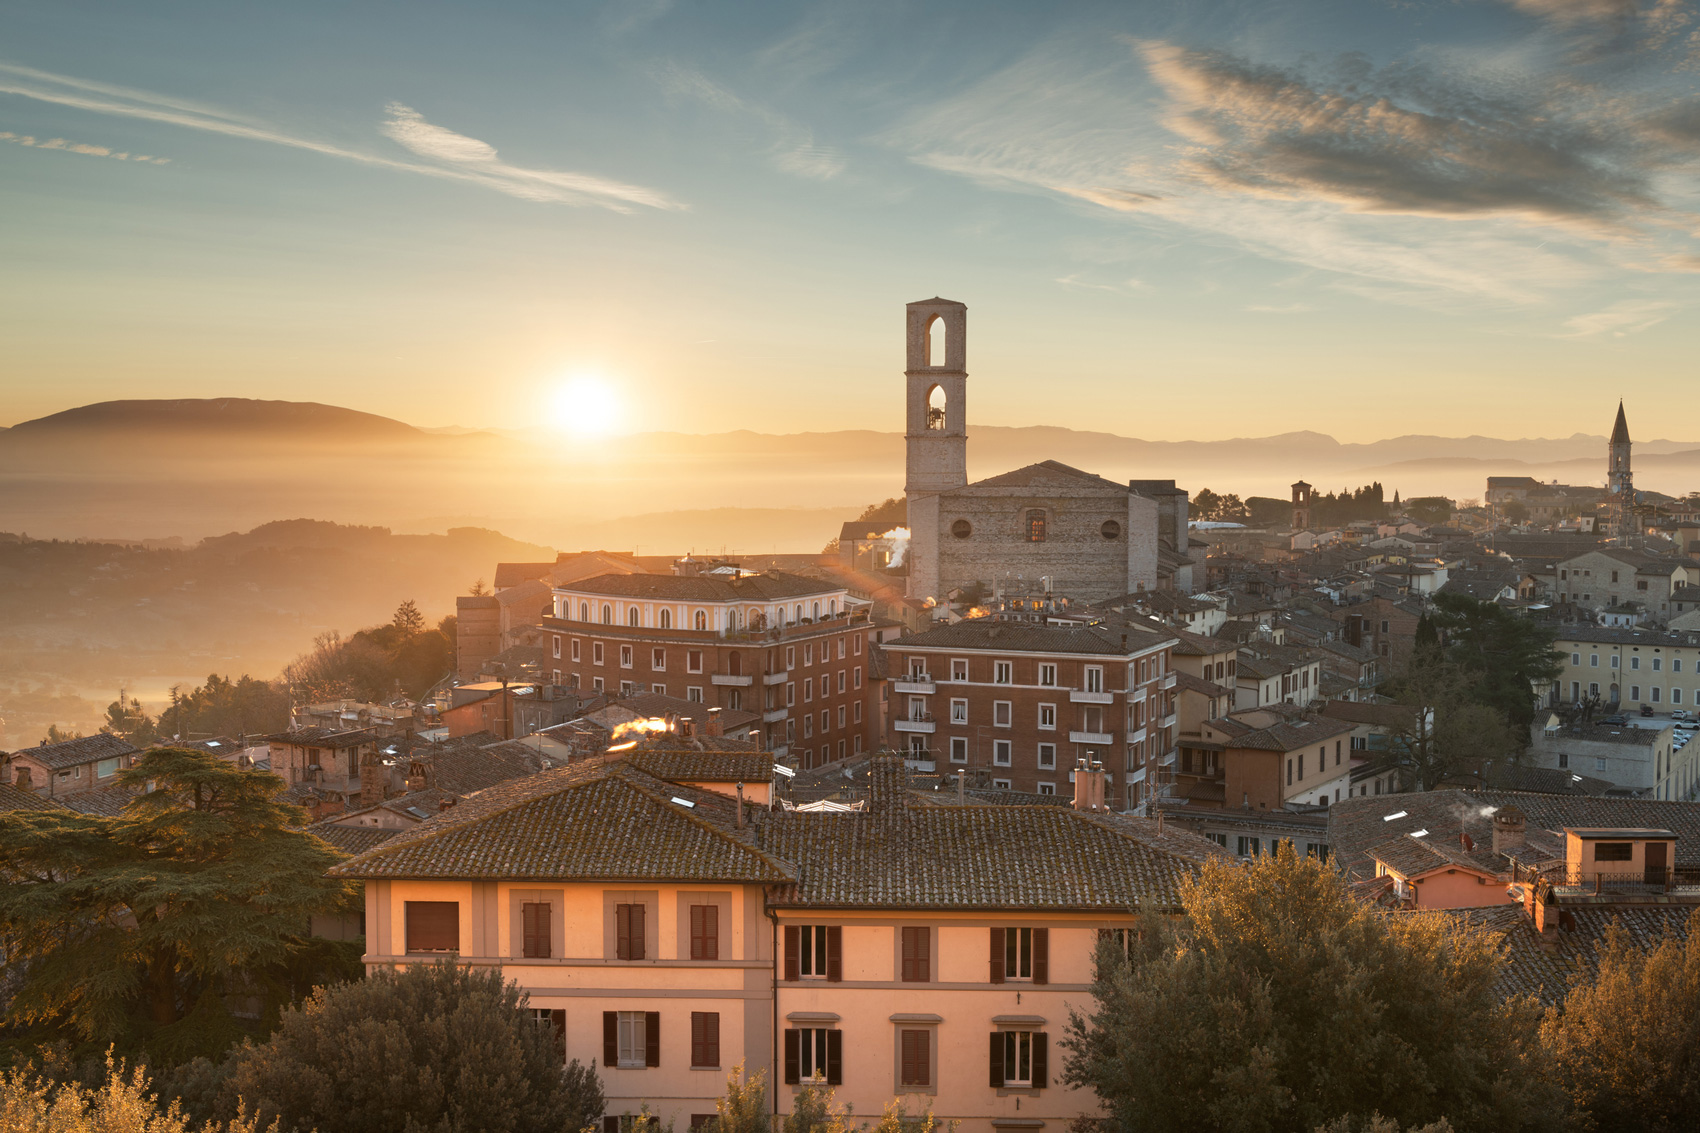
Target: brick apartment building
<point>1026,701</point>
<point>798,650</point>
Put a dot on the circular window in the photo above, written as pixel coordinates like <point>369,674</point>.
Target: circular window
<point>1111,529</point>
<point>962,529</point>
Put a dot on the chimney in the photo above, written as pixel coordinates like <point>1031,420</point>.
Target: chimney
<point>418,775</point>
<point>886,783</point>
<point>687,727</point>
<point>1466,841</point>
<point>371,780</point>
<point>740,821</point>
<point>1088,785</point>
<point>23,780</point>
<point>1508,830</point>
<point>713,728</point>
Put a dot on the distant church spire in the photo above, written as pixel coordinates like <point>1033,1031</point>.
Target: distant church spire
<point>1620,431</point>
<point>1620,483</point>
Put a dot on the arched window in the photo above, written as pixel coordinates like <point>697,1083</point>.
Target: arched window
<point>702,620</point>
<point>935,407</point>
<point>584,611</point>
<point>607,614</point>
<point>632,616</point>
<point>937,337</point>
<point>666,619</point>
<point>1036,525</point>
<point>799,616</point>
<point>832,607</point>
<point>816,613</point>
<point>753,618</point>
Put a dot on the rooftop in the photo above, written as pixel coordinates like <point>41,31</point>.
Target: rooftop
<point>765,587</point>
<point>86,749</point>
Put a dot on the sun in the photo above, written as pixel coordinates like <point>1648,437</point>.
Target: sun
<point>586,406</point>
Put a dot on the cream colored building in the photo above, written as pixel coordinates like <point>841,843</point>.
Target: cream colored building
<point>908,950</point>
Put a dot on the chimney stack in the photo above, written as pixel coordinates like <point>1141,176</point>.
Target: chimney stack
<point>1089,786</point>
<point>714,728</point>
<point>1509,825</point>
<point>23,780</point>
<point>740,823</point>
<point>372,776</point>
<point>687,727</point>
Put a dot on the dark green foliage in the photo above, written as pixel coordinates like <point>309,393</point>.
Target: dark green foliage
<point>1208,505</point>
<point>1504,657</point>
<point>223,707</point>
<point>1627,1042</point>
<point>124,717</point>
<point>892,511</point>
<point>436,1047</point>
<point>1429,509</point>
<point>134,929</point>
<point>377,664</point>
<point>1286,1005</point>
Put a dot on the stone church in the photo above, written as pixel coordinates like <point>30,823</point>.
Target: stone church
<point>1090,538</point>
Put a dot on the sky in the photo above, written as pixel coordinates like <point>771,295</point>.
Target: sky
<point>1168,220</point>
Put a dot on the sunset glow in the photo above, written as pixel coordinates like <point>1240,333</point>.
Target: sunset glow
<point>586,406</point>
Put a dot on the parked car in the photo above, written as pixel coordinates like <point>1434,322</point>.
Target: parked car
<point>1615,718</point>
<point>1646,710</point>
<point>1679,713</point>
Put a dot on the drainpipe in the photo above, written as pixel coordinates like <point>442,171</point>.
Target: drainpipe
<point>773,1052</point>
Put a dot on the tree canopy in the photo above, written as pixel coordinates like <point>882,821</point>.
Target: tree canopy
<point>1283,1004</point>
<point>136,927</point>
<point>1504,658</point>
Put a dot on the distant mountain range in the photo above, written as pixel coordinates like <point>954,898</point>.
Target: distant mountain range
<point>196,467</point>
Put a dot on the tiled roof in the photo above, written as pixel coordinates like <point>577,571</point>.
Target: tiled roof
<point>17,798</point>
<point>463,768</point>
<point>512,574</point>
<point>591,821</point>
<point>1546,968</point>
<point>351,840</point>
<point>87,749</point>
<point>1047,473</point>
<point>1363,712</point>
<point>1291,735</point>
<point>647,704</point>
<point>1413,857</point>
<point>769,586</point>
<point>1026,637</point>
<point>1189,683</point>
<point>109,800</point>
<point>1197,645</point>
<point>1356,825</point>
<point>1623,635</point>
<point>687,765</point>
<point>323,737</point>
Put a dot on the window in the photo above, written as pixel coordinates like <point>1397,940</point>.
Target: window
<point>809,653</point>
<point>1575,658</point>
<point>790,657</point>
<point>1657,664</point>
<point>1600,765</point>
<point>632,617</point>
<point>809,690</point>
<point>1614,851</point>
<point>666,617</point>
<point>1021,954</point>
<point>856,645</point>
<point>959,711</point>
<point>915,1062</point>
<point>856,715</point>
<point>1036,526</point>
<point>584,611</point>
<point>596,683</point>
<point>625,656</point>
<point>1000,784</point>
<point>575,650</point>
<point>1110,529</point>
<point>1001,713</point>
<point>1001,752</point>
<point>1635,662</point>
<point>841,718</point>
<point>658,660</point>
<point>596,653</point>
<point>1048,675</point>
<point>1616,661</point>
<point>841,680</point>
<point>1094,678</point>
<point>856,677</point>
<point>705,1040</point>
<point>958,749</point>
<point>607,614</point>
<point>1634,692</point>
<point>917,954</point>
<point>1563,760</point>
<point>693,693</point>
<point>628,932</point>
<point>534,930</point>
<point>631,1039</point>
<point>1002,672</point>
<point>814,1054</point>
<point>627,688</point>
<point>1248,847</point>
<point>693,661</point>
<point>701,620</point>
<point>809,726</point>
<point>814,952</point>
<point>1018,1059</point>
<point>555,647</point>
<point>959,669</point>
<point>705,936</point>
<point>106,767</point>
<point>1047,788</point>
<point>790,693</point>
<point>1047,756</point>
<point>555,1020</point>
<point>433,926</point>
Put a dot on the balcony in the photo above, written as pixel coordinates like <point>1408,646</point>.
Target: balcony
<point>1103,739</point>
<point>918,683</point>
<point>774,715</point>
<point>728,680</point>
<point>1136,736</point>
<point>1168,721</point>
<point>924,725</point>
<point>1079,696</point>
<point>779,678</point>
<point>926,765</point>
<point>1168,682</point>
<point>1137,776</point>
<point>1137,696</point>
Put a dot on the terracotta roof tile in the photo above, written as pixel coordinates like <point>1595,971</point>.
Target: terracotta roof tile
<point>86,749</point>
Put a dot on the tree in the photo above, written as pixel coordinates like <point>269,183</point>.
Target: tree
<point>816,1110</point>
<point>1206,504</point>
<point>1283,1004</point>
<point>1516,512</point>
<point>892,512</point>
<point>1447,731</point>
<point>1505,658</point>
<point>408,619</point>
<point>123,1103</point>
<point>136,926</point>
<point>58,735</point>
<point>433,1047</point>
<point>124,717</point>
<point>743,1108</point>
<point>1429,509</point>
<point>1626,1041</point>
<point>222,707</point>
<point>479,590</point>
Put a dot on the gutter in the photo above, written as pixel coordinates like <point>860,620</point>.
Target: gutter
<point>773,1052</point>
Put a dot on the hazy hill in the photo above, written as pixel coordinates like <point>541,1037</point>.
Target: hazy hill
<point>233,417</point>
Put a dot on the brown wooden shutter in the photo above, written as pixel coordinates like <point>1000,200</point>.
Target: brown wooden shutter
<point>997,1057</point>
<point>792,963</point>
<point>834,954</point>
<point>534,926</point>
<point>835,1058</point>
<point>610,1125</point>
<point>1041,1059</point>
<point>711,1038</point>
<point>1041,955</point>
<point>622,932</point>
<point>637,933</point>
<point>997,962</point>
<point>705,932</point>
<point>793,1055</point>
<point>610,1039</point>
<point>433,926</point>
<point>924,955</point>
<point>651,1037</point>
<point>558,1024</point>
<point>917,1060</point>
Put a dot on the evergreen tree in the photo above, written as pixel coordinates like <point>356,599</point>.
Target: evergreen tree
<point>1508,660</point>
<point>408,619</point>
<point>436,1047</point>
<point>1627,1041</point>
<point>1284,1004</point>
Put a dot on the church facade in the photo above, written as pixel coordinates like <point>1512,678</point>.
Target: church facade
<point>1048,523</point>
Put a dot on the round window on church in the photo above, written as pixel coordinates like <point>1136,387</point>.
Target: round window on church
<point>1111,529</point>
<point>962,529</point>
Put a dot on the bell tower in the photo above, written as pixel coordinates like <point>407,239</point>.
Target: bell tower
<point>936,430</point>
<point>1620,482</point>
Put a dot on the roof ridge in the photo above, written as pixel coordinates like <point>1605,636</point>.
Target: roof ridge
<point>624,771</point>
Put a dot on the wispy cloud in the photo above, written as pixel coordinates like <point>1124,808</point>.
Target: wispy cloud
<point>1626,317</point>
<point>468,159</point>
<point>79,147</point>
<point>1282,309</point>
<point>791,146</point>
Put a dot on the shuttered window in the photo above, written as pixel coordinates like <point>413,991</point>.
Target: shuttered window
<point>628,932</point>
<point>1020,1059</point>
<point>917,954</point>
<point>705,1039</point>
<point>631,1038</point>
<point>433,926</point>
<point>814,1055</point>
<point>705,932</point>
<point>814,952</point>
<point>556,1020</point>
<point>534,929</point>
<point>915,1058</point>
<point>1021,954</point>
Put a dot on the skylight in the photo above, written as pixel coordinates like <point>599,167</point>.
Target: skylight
<point>1395,814</point>
<point>1419,833</point>
<point>785,771</point>
<point>687,803</point>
